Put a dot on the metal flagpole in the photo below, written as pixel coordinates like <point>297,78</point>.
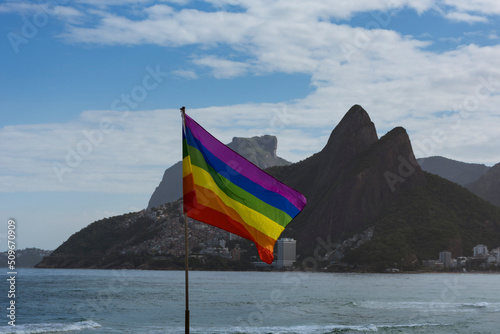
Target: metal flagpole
<point>187,270</point>
<point>186,251</point>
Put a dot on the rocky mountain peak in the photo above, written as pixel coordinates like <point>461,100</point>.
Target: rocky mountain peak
<point>353,121</point>
<point>354,134</point>
<point>261,151</point>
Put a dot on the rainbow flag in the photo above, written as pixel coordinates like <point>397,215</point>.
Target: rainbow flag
<point>223,189</point>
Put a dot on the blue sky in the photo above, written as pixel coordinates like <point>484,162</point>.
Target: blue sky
<point>90,90</point>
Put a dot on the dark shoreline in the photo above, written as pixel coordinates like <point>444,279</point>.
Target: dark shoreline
<point>417,272</point>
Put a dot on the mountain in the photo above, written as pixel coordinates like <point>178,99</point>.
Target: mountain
<point>26,258</point>
<point>350,180</point>
<point>488,186</point>
<point>370,206</point>
<point>170,187</point>
<point>373,190</point>
<point>425,221</point>
<point>455,171</point>
<point>482,180</point>
<point>261,151</point>
<point>149,239</point>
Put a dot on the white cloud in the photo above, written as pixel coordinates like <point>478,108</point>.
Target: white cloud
<point>39,9</point>
<point>66,11</point>
<point>343,9</point>
<point>159,11</point>
<point>454,40</point>
<point>493,35</point>
<point>132,157</point>
<point>103,3</point>
<point>465,17</point>
<point>83,155</point>
<point>469,139</point>
<point>488,7</point>
<point>386,72</point>
<point>178,2</point>
<point>185,74</point>
<point>222,68</point>
<point>22,7</point>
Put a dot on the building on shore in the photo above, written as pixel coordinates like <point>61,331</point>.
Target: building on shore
<point>480,251</point>
<point>286,257</point>
<point>445,259</point>
<point>494,257</point>
<point>287,253</point>
<point>482,259</point>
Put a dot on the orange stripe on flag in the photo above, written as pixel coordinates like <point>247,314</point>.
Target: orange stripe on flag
<point>204,205</point>
<point>220,220</point>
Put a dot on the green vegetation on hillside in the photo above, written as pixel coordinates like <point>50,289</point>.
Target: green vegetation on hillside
<point>425,221</point>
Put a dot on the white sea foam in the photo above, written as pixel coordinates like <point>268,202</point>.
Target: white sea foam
<point>306,329</point>
<point>429,306</point>
<point>49,327</point>
<point>477,305</point>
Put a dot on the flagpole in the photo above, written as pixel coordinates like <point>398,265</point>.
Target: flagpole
<point>186,251</point>
<point>187,270</point>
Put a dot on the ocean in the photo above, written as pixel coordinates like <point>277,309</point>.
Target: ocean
<point>133,301</point>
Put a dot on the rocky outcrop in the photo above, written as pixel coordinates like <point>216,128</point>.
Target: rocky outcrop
<point>170,187</point>
<point>261,151</point>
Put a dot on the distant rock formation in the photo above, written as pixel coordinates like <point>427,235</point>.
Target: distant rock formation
<point>26,258</point>
<point>488,186</point>
<point>482,180</point>
<point>456,171</point>
<point>261,151</point>
<point>170,187</point>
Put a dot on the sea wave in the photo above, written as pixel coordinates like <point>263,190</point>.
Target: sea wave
<point>49,327</point>
<point>479,305</point>
<point>306,329</point>
<point>434,306</point>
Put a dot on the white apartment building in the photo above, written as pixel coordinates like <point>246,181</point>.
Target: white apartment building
<point>480,251</point>
<point>445,258</point>
<point>494,257</point>
<point>287,252</point>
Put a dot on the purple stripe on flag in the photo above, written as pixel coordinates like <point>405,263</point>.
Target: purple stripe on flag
<point>243,166</point>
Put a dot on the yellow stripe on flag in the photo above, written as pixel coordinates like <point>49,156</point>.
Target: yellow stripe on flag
<point>250,216</point>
